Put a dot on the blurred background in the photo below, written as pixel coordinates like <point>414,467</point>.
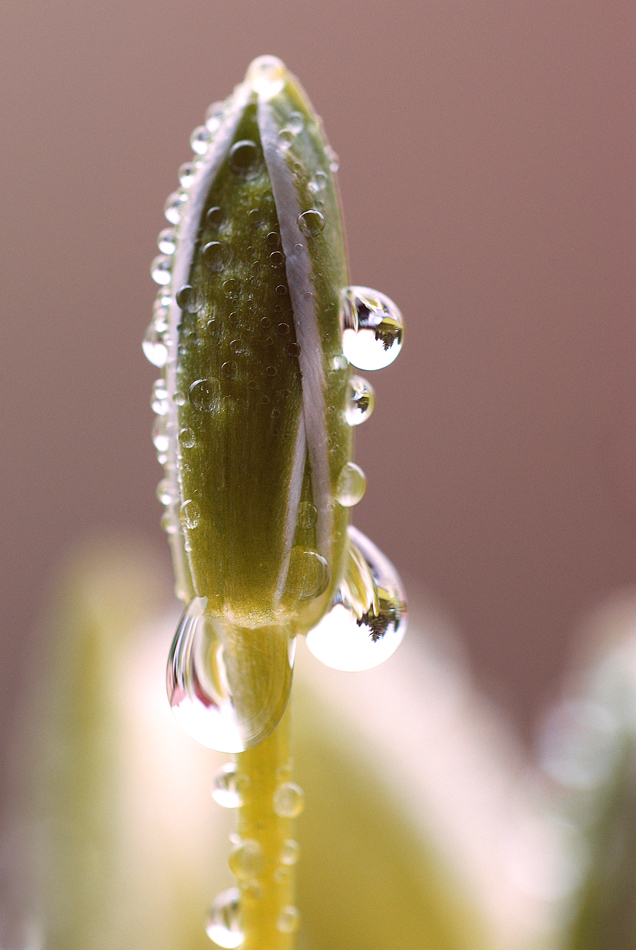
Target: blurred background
<point>486,171</point>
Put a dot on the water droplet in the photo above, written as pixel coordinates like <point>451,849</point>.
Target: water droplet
<point>160,434</point>
<point>187,299</point>
<point>266,323</point>
<point>307,515</point>
<point>288,800</point>
<point>360,400</point>
<point>173,209</point>
<point>373,328</point>
<point>245,159</point>
<point>318,183</point>
<point>223,925</point>
<point>251,890</point>
<point>232,288</point>
<point>277,259</point>
<point>246,860</point>
<point>229,369</point>
<point>267,76</point>
<point>333,159</point>
<point>164,492</point>
<point>308,574</point>
<point>213,115</point>
<point>311,222</point>
<point>273,239</point>
<point>215,217</point>
<point>368,620</point>
<point>179,399</point>
<point>290,852</point>
<point>285,139</point>
<point>288,920</point>
<point>292,349</point>
<point>155,347</point>
<point>283,329</point>
<point>352,484</point>
<point>271,371</point>
<point>204,394</point>
<point>159,397</point>
<point>205,680</point>
<point>216,255</point>
<point>189,514</point>
<point>160,269</point>
<point>187,438</point>
<point>167,241</point>
<point>295,122</point>
<point>229,787</point>
<point>281,290</point>
<point>200,140</point>
<point>186,174</point>
<point>168,523</point>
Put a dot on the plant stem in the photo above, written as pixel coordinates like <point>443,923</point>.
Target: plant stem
<point>268,902</point>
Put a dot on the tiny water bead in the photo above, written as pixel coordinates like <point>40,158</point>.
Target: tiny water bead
<point>288,920</point>
<point>204,394</point>
<point>215,217</point>
<point>187,438</point>
<point>186,174</point>
<point>159,398</point>
<point>167,241</point>
<point>164,492</point>
<point>318,183</point>
<point>372,328</point>
<point>307,515</point>
<point>155,347</point>
<point>187,299</point>
<point>160,269</point>
<point>173,209</point>
<point>267,76</point>
<point>308,574</point>
<point>246,860</point>
<point>311,222</point>
<point>160,438</point>
<point>200,140</point>
<point>290,853</point>
<point>351,486</point>
<point>288,800</point>
<point>295,122</point>
<point>216,256</point>
<point>229,787</point>
<point>245,159</point>
<point>189,514</point>
<point>367,622</point>
<point>360,401</point>
<point>223,925</point>
<point>285,139</point>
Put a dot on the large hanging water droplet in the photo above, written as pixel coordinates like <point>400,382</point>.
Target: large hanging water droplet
<point>173,209</point>
<point>229,787</point>
<point>245,159</point>
<point>368,620</point>
<point>155,347</point>
<point>372,328</point>
<point>351,486</point>
<point>223,925</point>
<point>209,692</point>
<point>360,401</point>
<point>160,269</point>
<point>267,76</point>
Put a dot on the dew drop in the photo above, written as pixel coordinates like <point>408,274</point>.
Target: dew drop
<point>333,159</point>
<point>318,183</point>
<point>155,347</point>
<point>229,369</point>
<point>288,920</point>
<point>273,239</point>
<point>311,222</point>
<point>173,208</point>
<point>288,800</point>
<point>266,323</point>
<point>229,786</point>
<point>246,860</point>
<point>213,115</point>
<point>168,523</point>
<point>290,852</point>
<point>160,269</point>
<point>186,174</point>
<point>164,492</point>
<point>216,256</point>
<point>360,400</point>
<point>271,371</point>
<point>215,217</point>
<point>251,890</point>
<point>277,259</point>
<point>200,140</point>
<point>187,299</point>
<point>282,329</point>
<point>205,680</point>
<point>292,349</point>
<point>167,241</point>
<point>187,438</point>
<point>368,620</point>
<point>204,394</point>
<point>295,122</point>
<point>267,76</point>
<point>232,288</point>
<point>307,515</point>
<point>223,925</point>
<point>285,139</point>
<point>352,484</point>
<point>308,574</point>
<point>189,514</point>
<point>245,159</point>
<point>372,328</point>
<point>160,434</point>
<point>281,290</point>
<point>179,399</point>
<point>159,397</point>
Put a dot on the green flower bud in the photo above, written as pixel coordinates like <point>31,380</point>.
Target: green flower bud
<point>256,407</point>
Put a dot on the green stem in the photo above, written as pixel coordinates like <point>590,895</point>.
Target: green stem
<point>266,817</point>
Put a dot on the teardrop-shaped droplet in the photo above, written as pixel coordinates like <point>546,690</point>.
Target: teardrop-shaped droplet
<point>351,486</point>
<point>223,925</point>
<point>173,208</point>
<point>167,241</point>
<point>186,174</point>
<point>209,685</point>
<point>372,328</point>
<point>360,401</point>
<point>155,347</point>
<point>368,620</point>
<point>200,140</point>
<point>229,786</point>
<point>160,269</point>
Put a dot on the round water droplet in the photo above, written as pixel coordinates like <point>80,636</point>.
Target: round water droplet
<point>173,209</point>
<point>285,139</point>
<point>160,434</point>
<point>229,787</point>
<point>267,76</point>
<point>187,438</point>
<point>167,241</point>
<point>168,523</point>
<point>229,369</point>
<point>283,329</point>
<point>307,515</point>
<point>295,122</point>
<point>223,925</point>
<point>246,860</point>
<point>372,328</point>
<point>281,290</point>
<point>155,347</point>
<point>292,349</point>
<point>200,140</point>
<point>360,400</point>
<point>288,800</point>
<point>215,217</point>
<point>245,159</point>
<point>186,174</point>
<point>187,299</point>
<point>164,492</point>
<point>271,371</point>
<point>216,255</point>
<point>160,269</point>
<point>352,484</point>
<point>232,288</point>
<point>205,680</point>
<point>290,853</point>
<point>204,394</point>
<point>311,222</point>
<point>289,920</point>
<point>273,239</point>
<point>368,620</point>
<point>179,399</point>
<point>159,398</point>
<point>333,159</point>
<point>308,574</point>
<point>251,890</point>
<point>189,514</point>
<point>277,259</point>
<point>214,114</point>
<point>318,183</point>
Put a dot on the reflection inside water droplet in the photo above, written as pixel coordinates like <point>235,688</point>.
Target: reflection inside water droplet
<point>160,269</point>
<point>372,328</point>
<point>216,256</point>
<point>229,787</point>
<point>368,620</point>
<point>223,925</point>
<point>360,401</point>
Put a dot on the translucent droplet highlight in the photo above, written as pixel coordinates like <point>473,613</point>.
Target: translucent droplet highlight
<point>360,401</point>
<point>372,328</point>
<point>173,209</point>
<point>155,347</point>
<point>351,486</point>
<point>267,76</point>
<point>290,853</point>
<point>368,620</point>
<point>311,222</point>
<point>223,925</point>
<point>209,692</point>
<point>229,787</point>
<point>200,140</point>
<point>289,920</point>
<point>245,159</point>
<point>246,860</point>
<point>289,800</point>
<point>307,575</point>
<point>160,269</point>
